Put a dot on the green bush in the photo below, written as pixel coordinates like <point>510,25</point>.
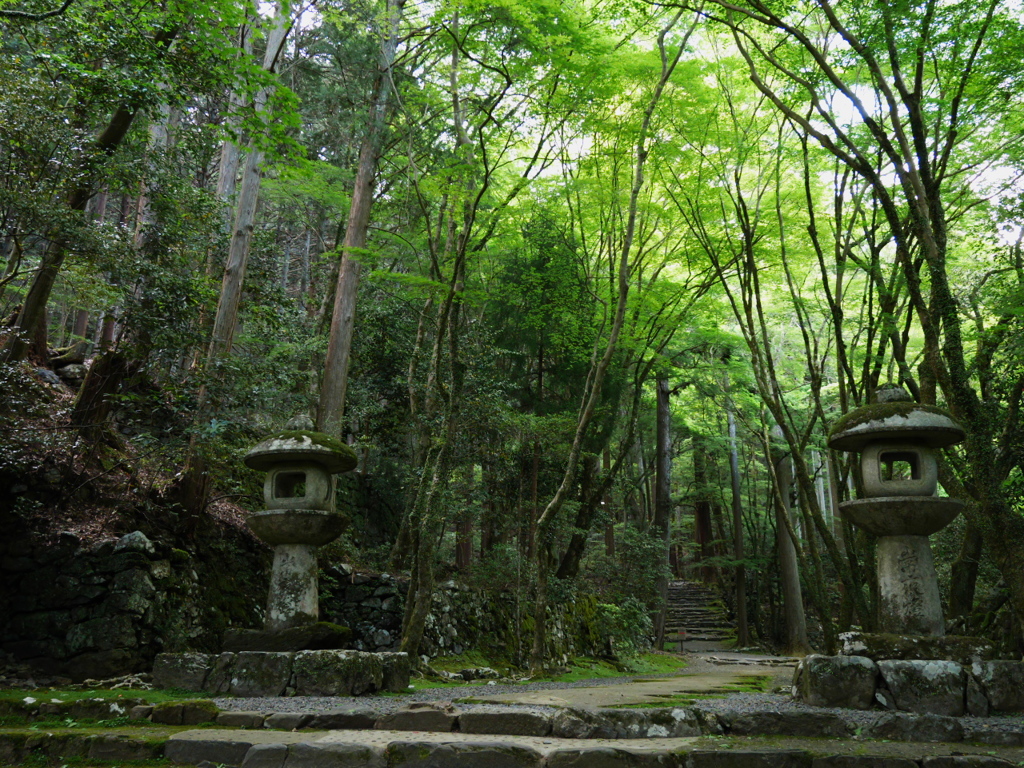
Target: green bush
<point>627,626</point>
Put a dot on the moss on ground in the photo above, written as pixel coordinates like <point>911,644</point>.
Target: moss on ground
<point>584,668</point>
<point>75,693</point>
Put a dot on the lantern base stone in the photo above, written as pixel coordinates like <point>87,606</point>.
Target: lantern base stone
<point>294,599</point>
<point>909,602</point>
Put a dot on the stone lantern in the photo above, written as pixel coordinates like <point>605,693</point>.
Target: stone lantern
<point>299,517</point>
<point>898,441</point>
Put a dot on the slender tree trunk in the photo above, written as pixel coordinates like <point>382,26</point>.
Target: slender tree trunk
<point>792,594</point>
<point>703,534</point>
<point>663,503</point>
<point>331,408</point>
<point>600,364</point>
<point>609,529</point>
<point>742,628</point>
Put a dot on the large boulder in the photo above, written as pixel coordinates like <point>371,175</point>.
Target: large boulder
<point>396,670</point>
<point>337,673</point>
<point>836,681</point>
<point>1003,684</point>
<point>187,671</point>
<point>260,674</point>
<point>925,686</point>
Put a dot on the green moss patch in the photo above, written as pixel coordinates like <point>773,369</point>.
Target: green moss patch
<point>317,438</point>
<point>881,411</point>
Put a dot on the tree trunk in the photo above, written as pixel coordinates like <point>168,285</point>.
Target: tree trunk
<point>702,532</point>
<point>662,502</point>
<point>225,320</point>
<point>964,575</point>
<point>792,594</point>
<point>742,628</point>
<point>606,503</point>
<point>193,485</point>
<point>331,408</point>
<point>569,567</point>
<point>92,405</point>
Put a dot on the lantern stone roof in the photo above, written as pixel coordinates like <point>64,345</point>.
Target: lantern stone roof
<point>301,445</point>
<point>895,421</point>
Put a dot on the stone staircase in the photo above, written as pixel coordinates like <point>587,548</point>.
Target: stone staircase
<point>697,610</point>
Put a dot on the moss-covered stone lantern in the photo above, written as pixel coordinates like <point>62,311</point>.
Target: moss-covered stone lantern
<point>300,515</point>
<point>898,441</point>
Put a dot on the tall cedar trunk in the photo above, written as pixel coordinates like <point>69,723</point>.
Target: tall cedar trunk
<point>193,486</point>
<point>230,152</point>
<point>662,503</point>
<point>331,407</point>
<point>464,527</point>
<point>792,594</point>
<point>702,510</point>
<point>606,502</point>
<point>81,324</point>
<point>225,321</point>
<point>742,628</point>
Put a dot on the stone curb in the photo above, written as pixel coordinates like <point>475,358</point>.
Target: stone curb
<point>583,723</point>
<point>394,750</point>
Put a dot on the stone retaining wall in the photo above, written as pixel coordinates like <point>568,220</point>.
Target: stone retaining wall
<point>95,611</point>
<point>299,673</point>
<point>107,609</point>
<point>932,686</point>
<point>460,618</point>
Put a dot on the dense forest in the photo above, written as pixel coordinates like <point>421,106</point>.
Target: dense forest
<point>585,284</point>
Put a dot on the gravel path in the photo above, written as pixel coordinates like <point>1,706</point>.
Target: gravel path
<point>391,702</point>
<point>741,703</point>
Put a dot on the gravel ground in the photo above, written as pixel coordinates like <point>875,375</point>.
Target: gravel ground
<point>735,702</point>
<point>385,704</point>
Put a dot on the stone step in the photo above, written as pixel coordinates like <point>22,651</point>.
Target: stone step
<point>390,749</point>
<point>697,610</point>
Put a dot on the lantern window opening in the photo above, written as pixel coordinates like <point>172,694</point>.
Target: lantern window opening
<point>900,465</point>
<point>290,485</point>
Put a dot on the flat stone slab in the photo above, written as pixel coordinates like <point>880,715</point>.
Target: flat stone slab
<point>390,749</point>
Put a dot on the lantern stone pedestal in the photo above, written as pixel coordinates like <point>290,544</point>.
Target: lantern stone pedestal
<point>909,665</point>
<point>294,653</point>
<point>898,441</point>
<point>300,515</point>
